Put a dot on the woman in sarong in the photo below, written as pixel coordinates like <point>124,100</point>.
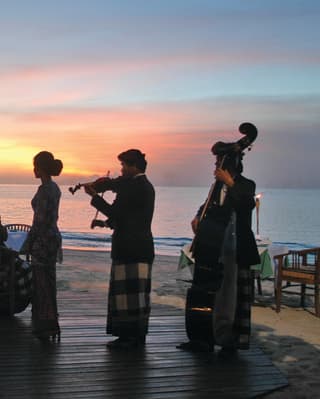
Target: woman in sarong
<point>44,245</point>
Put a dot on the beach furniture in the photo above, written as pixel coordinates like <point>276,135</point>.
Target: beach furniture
<point>15,272</point>
<point>263,270</point>
<point>301,267</point>
<point>7,280</point>
<point>17,233</point>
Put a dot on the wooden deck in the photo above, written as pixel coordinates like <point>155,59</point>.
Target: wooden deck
<point>81,366</point>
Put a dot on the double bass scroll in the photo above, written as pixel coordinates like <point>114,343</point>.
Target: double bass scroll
<point>226,150</point>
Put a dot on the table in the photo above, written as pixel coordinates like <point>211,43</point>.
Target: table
<point>265,268</point>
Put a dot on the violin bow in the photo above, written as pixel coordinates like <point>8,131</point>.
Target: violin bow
<point>97,212</point>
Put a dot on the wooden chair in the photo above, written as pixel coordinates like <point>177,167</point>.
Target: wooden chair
<point>301,267</point>
<point>18,227</point>
<point>7,259</point>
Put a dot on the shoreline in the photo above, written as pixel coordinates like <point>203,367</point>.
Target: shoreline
<point>290,338</point>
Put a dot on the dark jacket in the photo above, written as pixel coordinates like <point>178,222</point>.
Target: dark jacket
<point>130,216</point>
<point>240,198</point>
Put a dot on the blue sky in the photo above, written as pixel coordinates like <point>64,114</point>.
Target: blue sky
<point>89,79</point>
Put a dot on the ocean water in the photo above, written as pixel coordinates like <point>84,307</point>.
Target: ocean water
<point>286,216</point>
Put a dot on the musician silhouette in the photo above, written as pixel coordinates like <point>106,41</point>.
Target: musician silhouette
<point>223,249</point>
<point>130,216</point>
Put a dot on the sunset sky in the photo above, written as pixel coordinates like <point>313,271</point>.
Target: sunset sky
<point>89,79</point>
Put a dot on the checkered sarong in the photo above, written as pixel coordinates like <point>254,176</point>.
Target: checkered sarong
<point>242,322</point>
<point>22,283</point>
<point>232,312</point>
<point>129,299</point>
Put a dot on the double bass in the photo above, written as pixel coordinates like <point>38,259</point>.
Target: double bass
<point>200,298</point>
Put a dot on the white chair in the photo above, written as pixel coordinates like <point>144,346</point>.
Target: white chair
<point>17,233</point>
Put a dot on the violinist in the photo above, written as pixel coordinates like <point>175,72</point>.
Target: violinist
<point>224,249</point>
<point>130,216</point>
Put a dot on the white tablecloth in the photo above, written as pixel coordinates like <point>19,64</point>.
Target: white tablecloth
<point>16,239</point>
<point>264,244</point>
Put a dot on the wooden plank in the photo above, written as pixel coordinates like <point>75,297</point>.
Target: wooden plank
<point>81,366</point>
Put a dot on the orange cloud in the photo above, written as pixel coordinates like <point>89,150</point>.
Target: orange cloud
<point>176,136</point>
<point>88,140</point>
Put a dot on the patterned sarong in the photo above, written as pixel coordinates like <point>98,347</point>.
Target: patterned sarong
<point>44,299</point>
<point>129,299</point>
<point>22,282</point>
<point>232,311</point>
<point>242,322</point>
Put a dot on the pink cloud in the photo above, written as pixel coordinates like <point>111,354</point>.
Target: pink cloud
<point>118,66</point>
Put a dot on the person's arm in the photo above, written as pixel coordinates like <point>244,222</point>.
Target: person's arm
<point>97,201</point>
<point>242,192</point>
<point>105,184</point>
<point>42,219</point>
<point>101,205</point>
<point>196,220</point>
<point>224,176</point>
<point>195,223</point>
<point>102,185</point>
<point>241,189</point>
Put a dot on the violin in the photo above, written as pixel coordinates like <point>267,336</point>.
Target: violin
<point>76,187</point>
<point>95,222</point>
<point>92,183</point>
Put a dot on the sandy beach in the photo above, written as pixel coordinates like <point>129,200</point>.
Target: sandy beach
<point>290,338</point>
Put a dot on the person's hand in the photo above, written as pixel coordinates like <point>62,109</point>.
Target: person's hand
<point>195,224</point>
<point>88,188</point>
<point>224,176</point>
<point>98,223</point>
